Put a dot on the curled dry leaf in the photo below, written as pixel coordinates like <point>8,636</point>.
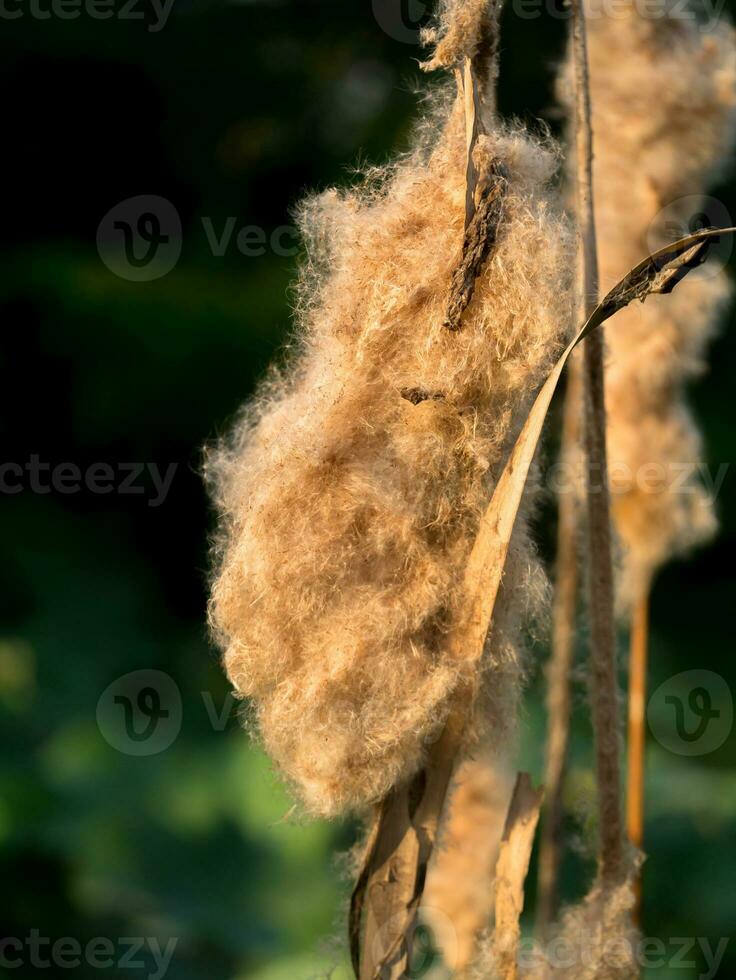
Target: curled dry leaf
<point>390,884</point>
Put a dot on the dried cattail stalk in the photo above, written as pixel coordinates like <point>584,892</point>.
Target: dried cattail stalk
<point>559,667</point>
<point>664,116</point>
<point>459,890</point>
<point>349,503</point>
<point>637,729</point>
<point>654,155</point>
<point>603,682</point>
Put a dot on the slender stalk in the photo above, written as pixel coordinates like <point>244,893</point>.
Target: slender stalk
<point>511,872</point>
<point>603,654</point>
<point>637,700</point>
<point>560,663</point>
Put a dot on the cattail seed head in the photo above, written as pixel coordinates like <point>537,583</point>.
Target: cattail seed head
<point>349,501</point>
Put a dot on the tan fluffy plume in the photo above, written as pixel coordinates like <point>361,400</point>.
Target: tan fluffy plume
<point>664,97</point>
<point>351,488</point>
<point>459,891</point>
<point>462,28</point>
<point>594,940</point>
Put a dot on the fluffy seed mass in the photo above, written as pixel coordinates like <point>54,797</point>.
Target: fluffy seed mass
<point>663,92</point>
<point>594,940</point>
<point>351,488</point>
<point>461,28</point>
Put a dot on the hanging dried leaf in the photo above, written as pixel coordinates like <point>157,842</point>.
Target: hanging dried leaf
<point>658,273</point>
<point>390,884</point>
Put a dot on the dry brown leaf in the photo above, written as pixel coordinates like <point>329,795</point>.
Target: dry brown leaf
<point>407,821</point>
<point>658,273</point>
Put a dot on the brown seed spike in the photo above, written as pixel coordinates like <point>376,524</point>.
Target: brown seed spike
<point>480,238</point>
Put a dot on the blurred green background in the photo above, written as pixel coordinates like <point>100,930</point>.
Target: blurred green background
<point>229,110</point>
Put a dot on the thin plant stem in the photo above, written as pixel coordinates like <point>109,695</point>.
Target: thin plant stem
<point>637,701</point>
<point>604,693</point>
<point>511,872</point>
<point>560,663</point>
